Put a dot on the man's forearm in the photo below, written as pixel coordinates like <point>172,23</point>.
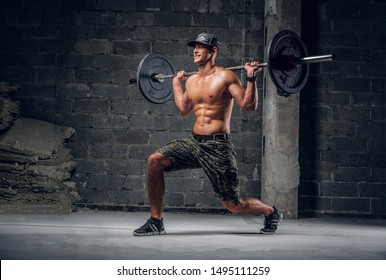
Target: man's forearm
<point>179,97</point>
<point>251,97</point>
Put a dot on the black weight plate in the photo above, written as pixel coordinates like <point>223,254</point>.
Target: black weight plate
<point>287,45</point>
<point>152,89</point>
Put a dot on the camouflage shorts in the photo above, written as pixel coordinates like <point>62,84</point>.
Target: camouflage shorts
<point>216,157</point>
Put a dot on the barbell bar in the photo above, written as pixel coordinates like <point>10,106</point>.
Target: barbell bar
<point>293,62</point>
<point>288,66</point>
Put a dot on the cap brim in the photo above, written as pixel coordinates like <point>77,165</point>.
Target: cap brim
<point>194,42</point>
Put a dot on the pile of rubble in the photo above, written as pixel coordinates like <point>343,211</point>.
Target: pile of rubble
<point>34,168</point>
<point>9,109</point>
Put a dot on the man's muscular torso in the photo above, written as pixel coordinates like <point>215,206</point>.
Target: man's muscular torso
<point>211,101</point>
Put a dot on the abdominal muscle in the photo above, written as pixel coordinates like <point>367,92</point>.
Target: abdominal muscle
<point>211,120</point>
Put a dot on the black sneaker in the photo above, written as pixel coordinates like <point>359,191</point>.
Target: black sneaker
<point>272,221</point>
<point>153,226</point>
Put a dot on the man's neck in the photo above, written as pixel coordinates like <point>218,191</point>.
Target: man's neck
<point>206,69</point>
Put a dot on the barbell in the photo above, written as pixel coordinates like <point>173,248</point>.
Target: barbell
<point>288,67</point>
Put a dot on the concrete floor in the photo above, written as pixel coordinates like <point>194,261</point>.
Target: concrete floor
<point>108,236</point>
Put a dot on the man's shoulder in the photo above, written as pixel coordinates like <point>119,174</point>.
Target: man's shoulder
<point>227,74</point>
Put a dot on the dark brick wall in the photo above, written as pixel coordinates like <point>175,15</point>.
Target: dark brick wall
<point>74,59</point>
<point>343,122</point>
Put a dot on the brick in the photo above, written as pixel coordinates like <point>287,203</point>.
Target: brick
<point>378,55</point>
<point>183,184</point>
<point>321,204</point>
<point>179,123</point>
<point>133,19</point>
<point>84,31</point>
<point>350,114</point>
<point>96,17</point>
<point>174,199</point>
<point>140,151</point>
<point>92,135</point>
<point>250,155</point>
<point>374,70</point>
<point>93,75</point>
<point>101,121</point>
<point>356,26</point>
<point>73,90</point>
<point>114,32</point>
<point>80,120</point>
<point>208,20</point>
<point>172,19</point>
<point>349,69</point>
<point>79,150</point>
<point>62,105</point>
<point>338,189</point>
<point>339,40</point>
<point>379,174</point>
<point>357,144</point>
<point>119,151</point>
<point>129,47</point>
<point>135,183</point>
<point>79,60</point>
<point>129,107</point>
<point>374,11</point>
<point>351,205</point>
<point>370,99</point>
<point>146,122</point>
<point>125,167</point>
<point>175,48</point>
<point>372,190</point>
<point>351,174</point>
<point>109,91</point>
<point>378,145</point>
<point>119,122</point>
<point>120,197</point>
<point>106,182</point>
<point>153,5</point>
<point>91,166</point>
<point>93,196</point>
<point>378,206</point>
<point>100,150</point>
<point>351,84</point>
<point>120,76</point>
<point>247,139</point>
<point>375,41</point>
<point>93,46</point>
<point>250,188</point>
<point>123,5</point>
<point>200,6</point>
<point>111,62</point>
<point>158,138</point>
<point>345,158</point>
<point>90,106</point>
<point>78,5</point>
<point>131,137</point>
<point>202,200</point>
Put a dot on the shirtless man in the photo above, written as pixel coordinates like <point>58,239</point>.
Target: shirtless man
<point>210,94</point>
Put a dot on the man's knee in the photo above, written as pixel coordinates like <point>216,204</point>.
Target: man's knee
<point>158,161</point>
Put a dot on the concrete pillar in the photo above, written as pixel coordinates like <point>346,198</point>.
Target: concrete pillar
<point>280,166</point>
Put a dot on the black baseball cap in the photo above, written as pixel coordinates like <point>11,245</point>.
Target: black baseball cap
<point>205,39</point>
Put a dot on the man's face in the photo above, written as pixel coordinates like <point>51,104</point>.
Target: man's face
<point>202,53</point>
